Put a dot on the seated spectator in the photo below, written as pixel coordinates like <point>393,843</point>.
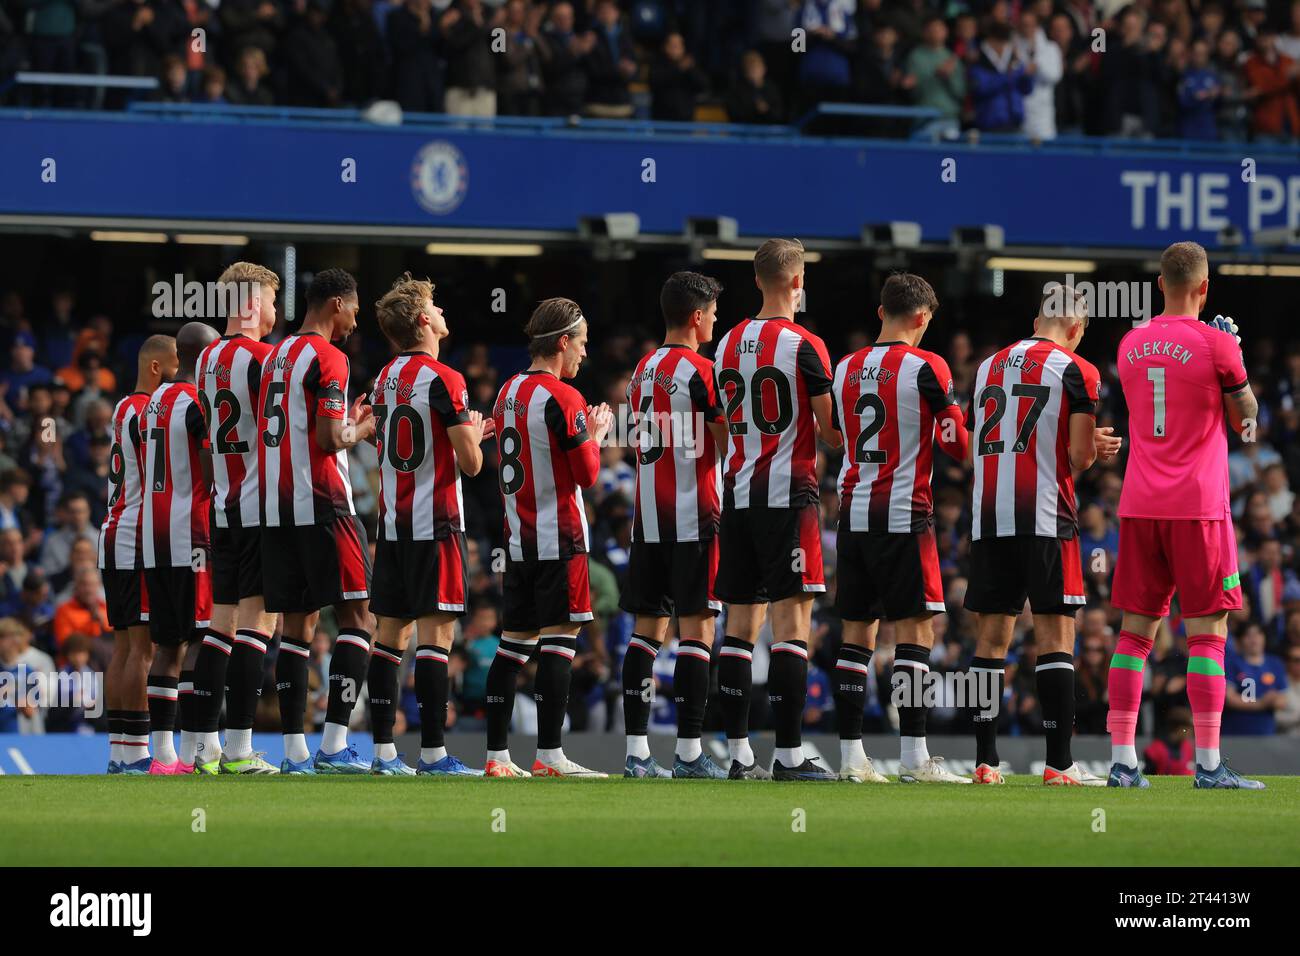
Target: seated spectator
<point>471,64</point>
<point>1271,91</point>
<point>85,612</point>
<point>938,78</point>
<point>13,570</point>
<point>24,660</point>
<point>1042,59</point>
<point>140,34</point>
<point>78,677</point>
<point>1172,753</point>
<point>1198,96</point>
<point>753,98</point>
<point>825,70</point>
<point>519,76</point>
<point>1265,581</point>
<point>23,372</point>
<point>315,72</point>
<point>174,81</point>
<point>15,487</point>
<point>251,23</point>
<point>413,43</point>
<point>87,370</point>
<point>883,78</point>
<point>212,87</point>
<point>562,53</point>
<point>35,609</point>
<point>610,64</point>
<point>72,524</point>
<point>999,83</point>
<point>1090,691</point>
<point>250,87</point>
<point>1234,115</point>
<point>675,82</point>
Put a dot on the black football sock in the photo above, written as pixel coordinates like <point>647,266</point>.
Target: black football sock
<point>114,728</point>
<point>347,672</point>
<point>1055,678</point>
<point>691,687</point>
<point>431,688</point>
<point>989,681</point>
<point>381,684</point>
<point>850,694</point>
<point>244,677</point>
<point>735,684</point>
<point>186,705</point>
<point>911,664</point>
<point>502,682</point>
<point>291,684</point>
<point>554,670</point>
<point>210,665</point>
<point>134,734</point>
<point>638,684</point>
<point>787,689</point>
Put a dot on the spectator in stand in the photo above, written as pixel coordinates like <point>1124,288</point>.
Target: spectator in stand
<point>87,368</point>
<point>938,79</point>
<point>139,34</point>
<point>413,40</point>
<point>84,612</point>
<point>1281,499</point>
<point>1090,700</point>
<point>882,77</point>
<point>315,71</point>
<point>52,44</point>
<point>362,51</point>
<point>72,520</point>
<point>1256,685</point>
<point>1287,714</point>
<point>519,77</point>
<point>1198,96</point>
<point>1172,752</point>
<point>13,570</point>
<point>772,23</point>
<point>753,97</point>
<point>999,83</point>
<point>1234,114</point>
<point>78,677</point>
<point>212,88</point>
<point>1253,16</point>
<point>1271,91</point>
<point>250,23</point>
<point>23,371</point>
<point>250,87</point>
<point>825,69</point>
<point>610,65</point>
<point>1042,59</point>
<point>36,608</point>
<point>1266,581</point>
<point>675,82</point>
<point>563,55</point>
<point>13,710</point>
<point>1126,78</point>
<point>471,64</point>
<point>1288,43</point>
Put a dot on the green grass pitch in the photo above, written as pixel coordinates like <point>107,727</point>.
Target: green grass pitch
<point>103,821</point>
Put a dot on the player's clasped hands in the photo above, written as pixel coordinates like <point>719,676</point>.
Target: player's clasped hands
<point>485,427</point>
<point>1107,443</point>
<point>599,419</point>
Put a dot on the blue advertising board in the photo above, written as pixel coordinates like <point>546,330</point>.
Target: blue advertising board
<point>456,176</point>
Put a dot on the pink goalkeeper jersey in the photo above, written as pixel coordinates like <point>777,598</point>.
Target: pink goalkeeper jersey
<point>1174,371</point>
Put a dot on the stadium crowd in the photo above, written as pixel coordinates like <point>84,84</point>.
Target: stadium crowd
<point>65,370</point>
<point>1191,69</point>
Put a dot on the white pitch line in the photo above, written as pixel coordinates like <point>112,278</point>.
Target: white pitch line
<point>20,761</point>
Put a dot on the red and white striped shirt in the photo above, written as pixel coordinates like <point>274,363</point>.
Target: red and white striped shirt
<point>768,369</point>
<point>304,378</point>
<point>177,498</point>
<point>888,402</point>
<point>229,376</point>
<point>1024,396</point>
<point>416,400</point>
<point>541,427</point>
<point>678,475</point>
<point>120,535</point>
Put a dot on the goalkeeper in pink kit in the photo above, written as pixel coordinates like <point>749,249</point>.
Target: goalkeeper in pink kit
<point>1179,376</point>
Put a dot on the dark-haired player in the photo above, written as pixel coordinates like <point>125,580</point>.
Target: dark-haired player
<point>426,436</point>
<point>893,401</point>
<point>314,551</point>
<point>121,562</point>
<point>776,379</point>
<point>230,659</point>
<point>547,457</point>
<point>1033,420</point>
<point>177,470</point>
<point>674,554</point>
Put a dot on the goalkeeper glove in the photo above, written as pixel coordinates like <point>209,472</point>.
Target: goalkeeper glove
<point>1225,323</point>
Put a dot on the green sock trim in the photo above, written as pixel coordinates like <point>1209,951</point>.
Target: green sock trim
<point>1128,662</point>
<point>1207,666</point>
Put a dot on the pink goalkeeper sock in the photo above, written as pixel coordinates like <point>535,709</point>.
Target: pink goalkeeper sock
<point>1124,685</point>
<point>1206,687</point>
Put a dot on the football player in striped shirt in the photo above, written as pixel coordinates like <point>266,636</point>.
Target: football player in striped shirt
<point>893,401</point>
<point>674,555</point>
<point>775,378</point>
<point>314,550</point>
<point>426,436</point>
<point>121,562</point>
<point>230,659</point>
<point>549,442</point>
<point>1033,420</point>
<point>177,472</point>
